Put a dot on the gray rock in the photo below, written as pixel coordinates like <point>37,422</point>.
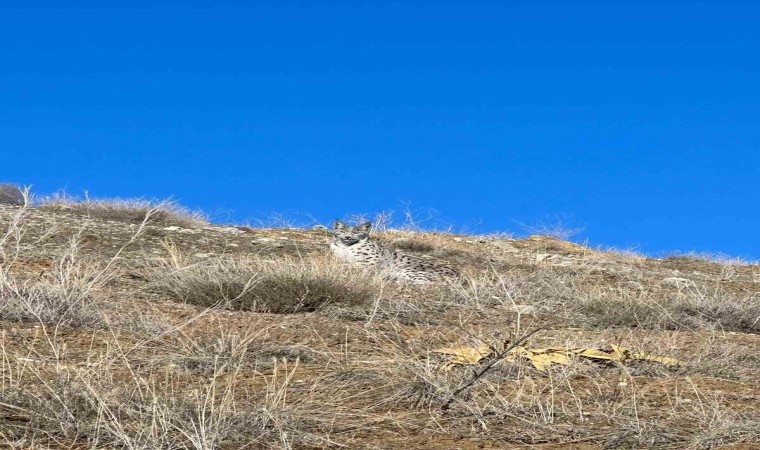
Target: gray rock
<point>506,246</point>
<point>555,260</point>
<point>678,282</point>
<point>230,230</point>
<point>564,262</point>
<point>524,309</point>
<point>10,194</point>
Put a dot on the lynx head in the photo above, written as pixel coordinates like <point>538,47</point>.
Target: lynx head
<point>349,236</point>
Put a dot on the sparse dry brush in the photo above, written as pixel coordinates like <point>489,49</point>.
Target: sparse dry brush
<point>113,402</point>
<point>585,295</point>
<point>144,345</point>
<point>47,302</point>
<point>134,211</point>
<point>705,307</point>
<point>185,397</point>
<point>581,402</point>
<point>61,297</point>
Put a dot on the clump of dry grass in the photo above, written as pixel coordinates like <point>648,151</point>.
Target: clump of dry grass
<point>134,211</point>
<point>249,349</point>
<point>64,296</point>
<point>587,296</point>
<point>262,285</point>
<point>429,243</point>
<point>47,303</point>
<point>717,258</point>
<point>553,227</point>
<point>696,308</point>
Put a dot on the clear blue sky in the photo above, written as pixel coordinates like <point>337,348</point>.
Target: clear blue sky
<point>641,120</point>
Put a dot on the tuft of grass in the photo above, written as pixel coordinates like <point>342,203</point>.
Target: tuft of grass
<point>224,349</point>
<point>668,310</point>
<point>554,227</point>
<point>47,303</point>
<point>584,296</point>
<point>134,211</point>
<point>717,258</point>
<point>64,296</point>
<point>274,286</point>
<point>434,243</point>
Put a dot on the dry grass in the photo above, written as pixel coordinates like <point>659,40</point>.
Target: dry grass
<point>193,393</point>
<point>692,308</point>
<point>585,296</point>
<point>555,227</point>
<point>63,296</point>
<point>265,285</point>
<point>61,302</point>
<point>717,258</point>
<point>427,243</point>
<point>161,213</point>
<point>113,402</point>
<point>96,352</point>
<point>582,402</point>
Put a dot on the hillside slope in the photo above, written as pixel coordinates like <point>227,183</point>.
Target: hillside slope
<point>124,334</point>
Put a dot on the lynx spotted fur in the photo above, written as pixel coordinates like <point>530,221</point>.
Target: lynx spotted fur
<point>355,246</point>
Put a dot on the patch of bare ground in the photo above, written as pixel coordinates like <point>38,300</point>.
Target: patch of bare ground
<point>155,336</point>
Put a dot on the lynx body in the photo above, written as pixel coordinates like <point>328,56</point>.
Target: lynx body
<point>355,246</point>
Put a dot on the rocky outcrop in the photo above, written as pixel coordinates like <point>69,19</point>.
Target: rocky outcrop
<point>10,194</point>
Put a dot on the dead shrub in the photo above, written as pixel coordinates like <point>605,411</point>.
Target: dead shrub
<point>48,304</point>
<point>275,286</point>
<point>63,296</point>
<point>160,213</point>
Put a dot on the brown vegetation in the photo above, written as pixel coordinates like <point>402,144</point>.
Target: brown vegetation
<point>286,285</point>
<point>139,336</point>
<point>160,213</point>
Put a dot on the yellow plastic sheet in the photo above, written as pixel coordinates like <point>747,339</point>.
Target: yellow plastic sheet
<point>543,358</point>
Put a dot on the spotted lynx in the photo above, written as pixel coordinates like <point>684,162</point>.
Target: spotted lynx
<point>354,245</point>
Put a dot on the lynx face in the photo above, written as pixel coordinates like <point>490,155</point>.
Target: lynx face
<point>349,236</point>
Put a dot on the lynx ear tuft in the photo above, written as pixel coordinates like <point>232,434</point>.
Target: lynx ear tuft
<point>338,225</point>
<point>366,226</point>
